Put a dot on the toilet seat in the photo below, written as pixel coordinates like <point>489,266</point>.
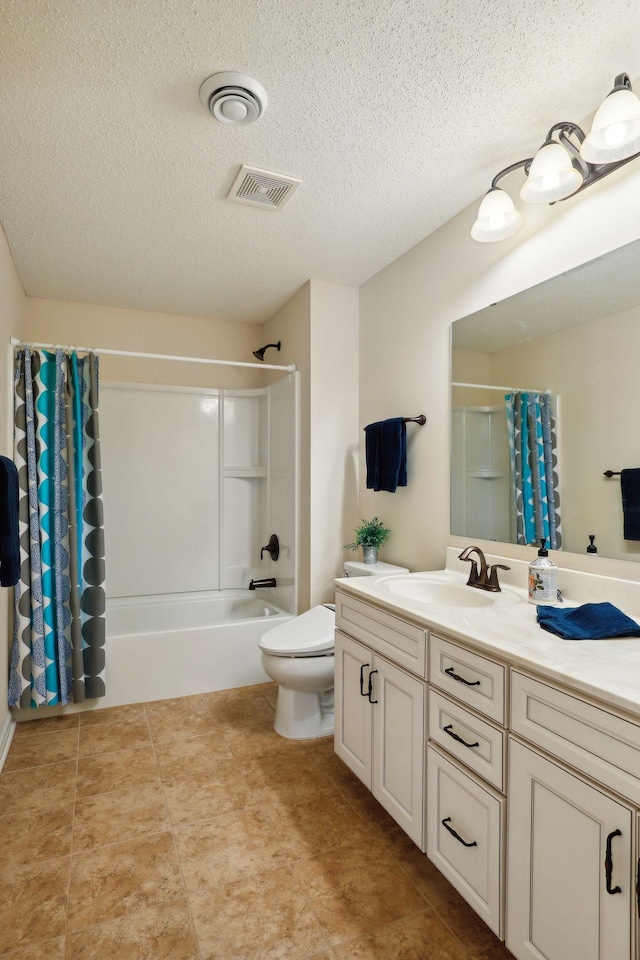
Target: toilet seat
<point>309,635</point>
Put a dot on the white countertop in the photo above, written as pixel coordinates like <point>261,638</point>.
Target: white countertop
<point>608,670</point>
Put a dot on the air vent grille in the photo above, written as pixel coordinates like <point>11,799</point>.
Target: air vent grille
<point>260,188</point>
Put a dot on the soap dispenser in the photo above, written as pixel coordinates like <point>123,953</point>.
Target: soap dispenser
<point>592,550</point>
<point>543,578</point>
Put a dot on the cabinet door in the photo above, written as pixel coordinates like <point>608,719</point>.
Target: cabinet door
<point>399,746</point>
<point>352,737</point>
<point>561,904</point>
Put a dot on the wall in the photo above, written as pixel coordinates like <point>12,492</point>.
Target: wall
<point>12,313</point>
<point>405,313</point>
<point>116,328</point>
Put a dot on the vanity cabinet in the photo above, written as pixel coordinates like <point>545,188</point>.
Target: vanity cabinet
<point>570,864</point>
<point>380,730</point>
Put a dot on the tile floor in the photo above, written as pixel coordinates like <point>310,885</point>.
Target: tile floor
<point>188,830</point>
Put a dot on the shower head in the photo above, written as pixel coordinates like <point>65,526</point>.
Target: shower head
<point>259,354</point>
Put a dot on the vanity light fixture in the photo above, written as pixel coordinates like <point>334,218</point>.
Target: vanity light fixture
<point>567,162</point>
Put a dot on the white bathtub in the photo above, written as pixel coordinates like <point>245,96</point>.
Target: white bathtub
<point>179,645</point>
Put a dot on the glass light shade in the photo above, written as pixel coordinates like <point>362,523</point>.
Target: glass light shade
<point>551,177</point>
<point>615,131</point>
<point>497,218</point>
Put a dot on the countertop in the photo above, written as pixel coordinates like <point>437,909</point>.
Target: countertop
<point>608,670</point>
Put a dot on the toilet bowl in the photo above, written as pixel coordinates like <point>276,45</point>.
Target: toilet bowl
<point>298,655</point>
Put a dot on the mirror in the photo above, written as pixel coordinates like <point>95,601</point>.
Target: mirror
<point>545,398</point>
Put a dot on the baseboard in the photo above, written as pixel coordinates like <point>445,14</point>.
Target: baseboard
<point>6,736</point>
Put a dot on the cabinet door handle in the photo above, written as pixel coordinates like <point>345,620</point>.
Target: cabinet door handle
<point>370,691</point>
<point>638,887</point>
<point>445,824</point>
<point>362,690</point>
<point>608,862</point>
<point>455,736</point>
<point>450,672</point>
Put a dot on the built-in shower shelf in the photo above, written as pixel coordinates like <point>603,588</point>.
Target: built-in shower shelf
<point>244,472</point>
<point>487,474</point>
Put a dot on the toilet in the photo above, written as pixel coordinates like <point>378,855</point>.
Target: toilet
<point>298,655</point>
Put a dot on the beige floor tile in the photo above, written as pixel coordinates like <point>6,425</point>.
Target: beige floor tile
<point>265,918</point>
<point>352,891</point>
<point>113,771</point>
<point>469,928</point>
<point>432,884</point>
<point>156,933</point>
<point>181,758</point>
<point>49,949</point>
<point>258,740</point>
<point>33,903</point>
<point>183,717</point>
<point>240,711</point>
<point>421,937</point>
<point>285,778</point>
<point>36,835</point>
<point>33,751</point>
<point>309,829</point>
<point>37,788</point>
<point>96,738</point>
<point>111,882</point>
<point>119,815</point>
<point>128,711</point>
<point>207,795</point>
<point>272,697</point>
<point>67,721</point>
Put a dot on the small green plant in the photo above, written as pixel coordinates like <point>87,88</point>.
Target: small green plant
<point>370,533</point>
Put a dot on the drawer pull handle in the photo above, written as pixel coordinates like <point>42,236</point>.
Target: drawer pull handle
<point>455,736</point>
<point>450,672</point>
<point>445,824</point>
<point>363,693</point>
<point>608,862</point>
<point>370,691</point>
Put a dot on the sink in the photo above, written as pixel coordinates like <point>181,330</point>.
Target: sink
<point>444,592</point>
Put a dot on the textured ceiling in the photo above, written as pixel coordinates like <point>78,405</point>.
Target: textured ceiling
<point>395,115</point>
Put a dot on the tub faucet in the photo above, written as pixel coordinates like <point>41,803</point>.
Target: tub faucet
<point>485,578</point>
<point>267,582</point>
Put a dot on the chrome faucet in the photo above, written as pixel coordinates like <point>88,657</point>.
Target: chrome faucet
<point>267,582</point>
<point>485,578</point>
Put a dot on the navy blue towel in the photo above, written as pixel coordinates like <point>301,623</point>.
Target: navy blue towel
<point>591,621</point>
<point>630,483</point>
<point>9,535</point>
<point>386,453</point>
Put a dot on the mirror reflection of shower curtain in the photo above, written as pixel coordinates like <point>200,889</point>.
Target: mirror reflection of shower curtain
<point>59,627</point>
<point>533,453</point>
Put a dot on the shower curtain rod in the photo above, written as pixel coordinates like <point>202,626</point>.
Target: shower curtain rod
<point>487,386</point>
<point>290,368</point>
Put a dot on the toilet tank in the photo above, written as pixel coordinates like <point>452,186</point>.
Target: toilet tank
<point>355,568</point>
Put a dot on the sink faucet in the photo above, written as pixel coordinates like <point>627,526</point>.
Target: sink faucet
<point>485,578</point>
<point>267,582</point>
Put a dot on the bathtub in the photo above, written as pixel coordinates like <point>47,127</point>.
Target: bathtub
<point>179,645</point>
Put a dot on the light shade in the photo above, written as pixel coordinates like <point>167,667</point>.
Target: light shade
<point>552,176</point>
<point>497,217</point>
<point>615,131</point>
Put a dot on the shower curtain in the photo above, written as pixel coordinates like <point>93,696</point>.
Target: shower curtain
<point>532,449</point>
<point>59,627</point>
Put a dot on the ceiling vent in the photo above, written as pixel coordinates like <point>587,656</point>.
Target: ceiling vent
<point>261,188</point>
<point>234,99</point>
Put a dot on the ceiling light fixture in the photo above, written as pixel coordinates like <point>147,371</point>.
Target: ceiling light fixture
<point>564,166</point>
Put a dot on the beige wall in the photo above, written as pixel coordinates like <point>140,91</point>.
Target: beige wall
<point>116,328</point>
<point>12,311</point>
<point>405,313</point>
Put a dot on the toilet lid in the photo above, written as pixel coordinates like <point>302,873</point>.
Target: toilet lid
<point>310,633</point>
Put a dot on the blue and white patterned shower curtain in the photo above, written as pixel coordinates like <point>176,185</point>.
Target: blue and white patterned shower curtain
<point>59,627</point>
<point>532,448</point>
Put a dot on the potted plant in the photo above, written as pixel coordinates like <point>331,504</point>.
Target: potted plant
<point>370,535</point>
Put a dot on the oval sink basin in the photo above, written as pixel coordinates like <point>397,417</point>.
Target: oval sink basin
<point>444,593</point>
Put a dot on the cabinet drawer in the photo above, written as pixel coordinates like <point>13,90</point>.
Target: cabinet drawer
<point>469,677</point>
<point>483,747</point>
<point>603,745</point>
<point>403,643</point>
<point>465,834</point>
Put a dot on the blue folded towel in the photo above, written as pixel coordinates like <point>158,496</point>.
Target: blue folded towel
<point>591,621</point>
<point>386,453</point>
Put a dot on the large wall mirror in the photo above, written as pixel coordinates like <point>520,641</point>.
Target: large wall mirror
<point>545,399</point>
